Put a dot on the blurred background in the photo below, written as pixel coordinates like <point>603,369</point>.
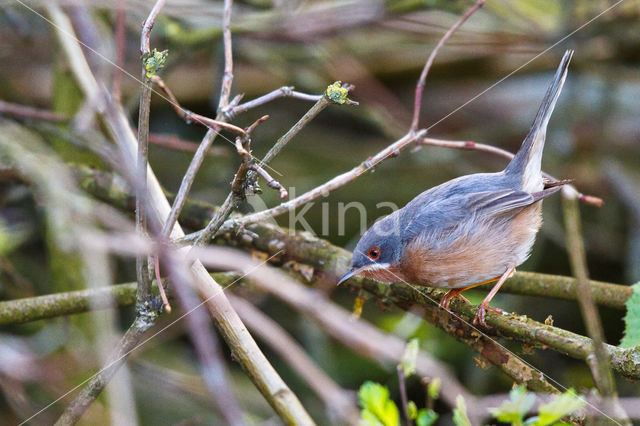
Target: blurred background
<point>380,47</point>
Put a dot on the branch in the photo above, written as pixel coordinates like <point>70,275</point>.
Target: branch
<point>335,93</point>
<point>321,104</point>
<point>417,103</point>
<point>227,78</point>
<point>339,403</point>
<point>230,111</point>
<point>600,370</point>
<point>22,111</point>
<point>190,116</point>
<point>317,252</point>
<point>243,347</point>
<point>94,387</point>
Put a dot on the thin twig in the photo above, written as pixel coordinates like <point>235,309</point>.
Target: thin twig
<point>403,394</point>
<point>243,144</point>
<point>190,116</point>
<point>230,111</point>
<point>271,182</point>
<point>321,104</point>
<point>227,78</point>
<point>417,103</point>
<point>142,262</point>
<point>175,142</point>
<point>334,183</point>
<point>23,111</point>
<point>600,369</point>
<point>147,26</point>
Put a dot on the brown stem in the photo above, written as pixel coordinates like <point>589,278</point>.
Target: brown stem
<point>227,78</point>
<point>403,394</point>
<point>190,116</point>
<point>23,111</point>
<point>417,103</point>
<point>271,182</point>
<point>147,26</point>
<point>600,369</point>
<point>94,386</point>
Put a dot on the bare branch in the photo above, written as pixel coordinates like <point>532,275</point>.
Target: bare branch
<point>190,116</point>
<point>147,26</point>
<point>244,348</point>
<point>177,143</point>
<point>230,111</point>
<point>22,111</point>
<point>271,182</point>
<point>227,78</point>
<point>417,103</point>
<point>142,263</point>
<point>600,369</point>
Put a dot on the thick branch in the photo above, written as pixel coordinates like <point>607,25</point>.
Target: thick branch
<point>334,260</point>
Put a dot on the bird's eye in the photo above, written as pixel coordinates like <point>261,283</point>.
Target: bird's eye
<point>374,253</point>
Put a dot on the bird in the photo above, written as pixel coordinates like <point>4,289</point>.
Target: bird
<point>469,231</point>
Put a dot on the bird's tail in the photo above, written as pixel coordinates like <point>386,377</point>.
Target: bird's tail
<point>526,165</point>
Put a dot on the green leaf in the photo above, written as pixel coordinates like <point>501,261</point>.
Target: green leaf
<point>632,319</point>
<point>561,406</point>
<point>412,409</point>
<point>409,357</point>
<point>337,94</point>
<point>377,408</point>
<point>433,389</point>
<point>426,417</point>
<point>516,407</point>
<point>460,413</point>
<point>155,61</point>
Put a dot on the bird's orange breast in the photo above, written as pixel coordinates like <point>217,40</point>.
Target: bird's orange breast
<point>484,251</point>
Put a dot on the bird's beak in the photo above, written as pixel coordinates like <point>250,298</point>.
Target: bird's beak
<point>356,271</point>
<point>351,273</point>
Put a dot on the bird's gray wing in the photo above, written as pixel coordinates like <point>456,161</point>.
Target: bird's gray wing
<point>501,201</point>
<point>445,214</point>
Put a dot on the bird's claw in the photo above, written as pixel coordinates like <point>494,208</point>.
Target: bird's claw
<point>482,312</point>
<point>447,298</point>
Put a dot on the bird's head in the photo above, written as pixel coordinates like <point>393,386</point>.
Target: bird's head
<point>378,252</point>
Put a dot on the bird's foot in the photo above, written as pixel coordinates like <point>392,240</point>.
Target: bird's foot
<point>482,312</point>
<point>451,294</point>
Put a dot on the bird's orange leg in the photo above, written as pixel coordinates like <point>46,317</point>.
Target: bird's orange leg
<point>456,293</point>
<point>484,306</point>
